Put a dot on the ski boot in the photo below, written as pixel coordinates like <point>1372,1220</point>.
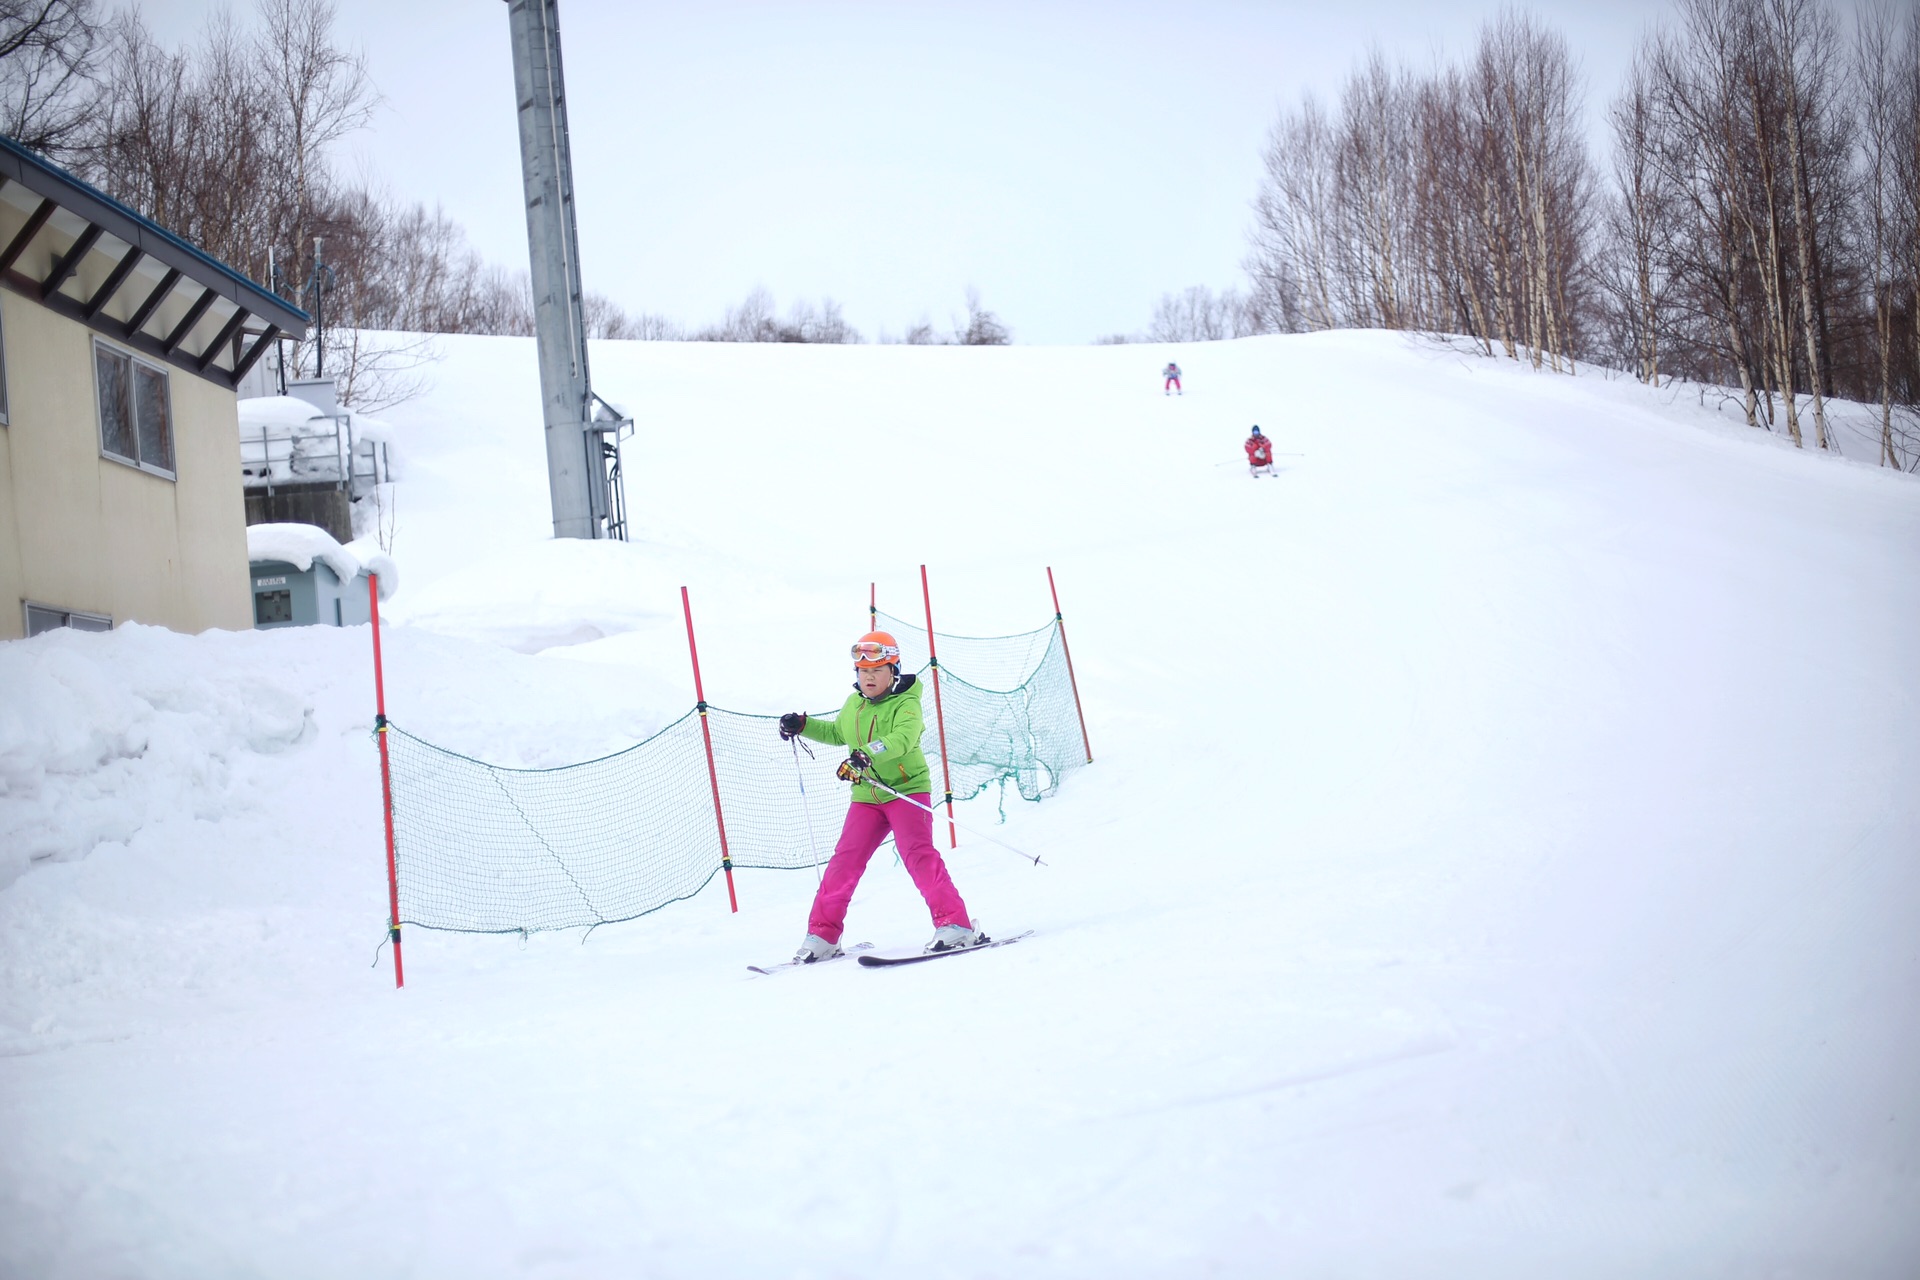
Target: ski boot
<point>954,937</point>
<point>816,948</point>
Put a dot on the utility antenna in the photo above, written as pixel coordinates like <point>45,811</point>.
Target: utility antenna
<point>583,431</point>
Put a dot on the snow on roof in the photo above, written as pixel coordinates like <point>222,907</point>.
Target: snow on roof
<point>290,416</point>
<point>368,552</point>
<point>276,411</point>
<point>301,544</point>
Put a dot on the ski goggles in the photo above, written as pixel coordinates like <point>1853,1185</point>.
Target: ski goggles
<point>873,651</point>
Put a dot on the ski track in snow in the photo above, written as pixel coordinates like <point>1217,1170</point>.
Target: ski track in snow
<point>1498,859</point>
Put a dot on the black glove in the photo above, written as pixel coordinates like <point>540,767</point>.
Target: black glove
<point>791,724</point>
<point>856,763</point>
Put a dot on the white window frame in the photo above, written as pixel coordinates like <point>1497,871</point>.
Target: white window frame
<point>135,362</point>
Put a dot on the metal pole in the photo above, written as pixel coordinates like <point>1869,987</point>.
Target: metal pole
<point>875,782</point>
<point>386,781</point>
<point>576,479</point>
<point>812,843</point>
<point>939,716</point>
<point>1060,622</point>
<point>706,734</point>
<point>319,315</point>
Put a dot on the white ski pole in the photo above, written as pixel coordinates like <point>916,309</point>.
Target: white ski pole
<point>874,782</point>
<point>798,772</point>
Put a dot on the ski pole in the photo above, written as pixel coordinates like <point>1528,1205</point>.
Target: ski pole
<point>874,782</point>
<point>812,844</point>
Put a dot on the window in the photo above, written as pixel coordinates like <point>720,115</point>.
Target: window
<point>272,606</point>
<point>41,618</point>
<point>136,417</point>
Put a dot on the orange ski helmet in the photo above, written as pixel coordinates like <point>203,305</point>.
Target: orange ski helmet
<point>875,649</point>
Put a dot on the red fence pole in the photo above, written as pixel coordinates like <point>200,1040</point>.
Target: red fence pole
<point>386,780</point>
<point>939,716</point>
<point>1060,622</point>
<point>706,734</point>
<point>873,607</point>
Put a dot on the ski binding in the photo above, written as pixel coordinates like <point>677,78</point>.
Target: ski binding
<point>771,969</point>
<point>890,958</point>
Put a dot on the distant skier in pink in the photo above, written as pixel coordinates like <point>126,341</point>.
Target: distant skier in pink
<point>1172,374</point>
<point>1259,454</point>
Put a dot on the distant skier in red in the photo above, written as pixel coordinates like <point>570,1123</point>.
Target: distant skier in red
<point>1259,454</point>
<point>1172,374</point>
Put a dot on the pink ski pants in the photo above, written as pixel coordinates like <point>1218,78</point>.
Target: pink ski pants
<point>867,825</point>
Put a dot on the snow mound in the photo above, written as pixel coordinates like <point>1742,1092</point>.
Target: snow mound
<point>92,750</point>
<point>547,595</point>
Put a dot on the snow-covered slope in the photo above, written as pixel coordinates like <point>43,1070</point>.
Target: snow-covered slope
<point>1499,859</point>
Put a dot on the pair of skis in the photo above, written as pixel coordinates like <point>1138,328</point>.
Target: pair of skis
<point>886,959</point>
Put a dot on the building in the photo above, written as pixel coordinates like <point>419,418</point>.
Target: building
<point>120,348</point>
<point>303,578</point>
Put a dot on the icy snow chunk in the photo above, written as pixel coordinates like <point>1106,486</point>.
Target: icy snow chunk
<point>367,551</point>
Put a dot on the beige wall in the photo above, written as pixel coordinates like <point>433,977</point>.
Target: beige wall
<point>80,531</point>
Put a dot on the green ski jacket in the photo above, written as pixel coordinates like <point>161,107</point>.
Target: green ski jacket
<point>888,731</point>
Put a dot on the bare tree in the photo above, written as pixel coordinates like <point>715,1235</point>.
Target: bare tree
<point>1747,214</point>
<point>1639,223</point>
<point>320,90</point>
<point>1293,259</point>
<point>1877,80</point>
<point>48,54</point>
<point>1804,44</point>
<point>1198,314</point>
<point>1459,201</point>
<point>983,327</point>
<point>1373,176</point>
<point>756,319</point>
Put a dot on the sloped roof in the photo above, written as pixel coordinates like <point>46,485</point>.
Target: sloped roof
<point>84,254</point>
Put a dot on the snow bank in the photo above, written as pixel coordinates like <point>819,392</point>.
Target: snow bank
<point>100,735</point>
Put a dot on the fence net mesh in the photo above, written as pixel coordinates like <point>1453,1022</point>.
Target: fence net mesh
<point>485,848</point>
<point>1008,706</point>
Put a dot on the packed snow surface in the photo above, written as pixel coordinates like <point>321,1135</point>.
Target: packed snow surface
<point>1499,858</point>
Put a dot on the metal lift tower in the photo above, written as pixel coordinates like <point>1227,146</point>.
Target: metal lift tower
<point>583,431</point>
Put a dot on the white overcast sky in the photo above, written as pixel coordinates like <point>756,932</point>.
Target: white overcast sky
<point>1071,161</point>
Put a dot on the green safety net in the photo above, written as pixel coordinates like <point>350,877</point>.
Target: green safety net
<point>1008,706</point>
<point>485,848</point>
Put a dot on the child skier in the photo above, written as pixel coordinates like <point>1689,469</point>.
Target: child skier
<point>1259,454</point>
<point>1172,375</point>
<point>881,721</point>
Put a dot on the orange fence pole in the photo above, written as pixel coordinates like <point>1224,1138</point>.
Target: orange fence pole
<point>706,734</point>
<point>939,716</point>
<point>1060,622</point>
<point>386,781</point>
